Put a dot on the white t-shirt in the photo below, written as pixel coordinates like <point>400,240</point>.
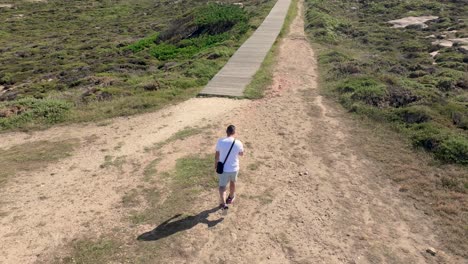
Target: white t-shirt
<point>223,146</point>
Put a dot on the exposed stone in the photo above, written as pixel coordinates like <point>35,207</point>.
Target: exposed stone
<point>431,251</point>
<point>463,49</point>
<point>443,43</point>
<point>412,21</point>
<point>459,41</point>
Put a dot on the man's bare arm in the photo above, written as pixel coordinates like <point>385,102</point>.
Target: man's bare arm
<point>216,159</point>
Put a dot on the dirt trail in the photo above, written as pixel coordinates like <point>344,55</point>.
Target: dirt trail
<point>45,209</point>
<point>338,210</point>
<point>314,198</point>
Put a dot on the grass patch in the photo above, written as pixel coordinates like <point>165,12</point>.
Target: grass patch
<point>264,76</point>
<point>179,135</point>
<point>192,175</point>
<point>89,251</point>
<point>110,161</point>
<point>130,199</point>
<point>150,170</point>
<point>32,156</point>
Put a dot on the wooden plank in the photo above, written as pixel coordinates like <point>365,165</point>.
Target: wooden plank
<point>238,72</point>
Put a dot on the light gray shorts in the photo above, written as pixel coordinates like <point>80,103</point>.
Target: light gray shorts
<point>226,177</point>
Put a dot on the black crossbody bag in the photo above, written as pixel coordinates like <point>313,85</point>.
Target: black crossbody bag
<point>220,165</point>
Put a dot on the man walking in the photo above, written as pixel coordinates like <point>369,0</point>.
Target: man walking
<point>228,150</point>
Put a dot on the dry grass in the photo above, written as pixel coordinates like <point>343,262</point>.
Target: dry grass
<point>32,156</point>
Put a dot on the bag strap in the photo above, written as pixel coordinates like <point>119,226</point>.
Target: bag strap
<point>229,151</point>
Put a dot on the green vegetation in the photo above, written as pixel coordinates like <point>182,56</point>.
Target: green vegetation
<point>87,251</point>
<point>388,74</point>
<point>179,135</point>
<point>32,156</point>
<point>110,161</point>
<point>192,175</point>
<point>150,170</point>
<point>112,58</point>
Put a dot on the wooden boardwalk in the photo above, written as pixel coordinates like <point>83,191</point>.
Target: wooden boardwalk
<point>238,72</point>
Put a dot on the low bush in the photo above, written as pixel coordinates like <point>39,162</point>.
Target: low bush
<point>41,111</point>
<point>427,136</point>
<point>365,89</point>
<point>326,27</point>
<point>218,18</point>
<point>143,43</point>
<point>415,114</point>
<point>454,150</point>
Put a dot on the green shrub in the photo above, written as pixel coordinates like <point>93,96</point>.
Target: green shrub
<point>46,111</point>
<point>450,56</point>
<point>6,78</point>
<point>324,27</point>
<point>414,46</point>
<point>143,43</point>
<point>203,69</point>
<point>332,57</point>
<point>454,150</point>
<point>415,114</point>
<point>164,51</point>
<point>427,135</point>
<point>446,84</point>
<point>365,89</point>
<point>218,18</point>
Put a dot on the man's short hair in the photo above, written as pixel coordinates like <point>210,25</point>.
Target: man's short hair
<point>231,129</point>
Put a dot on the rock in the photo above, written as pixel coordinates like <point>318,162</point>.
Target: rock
<point>306,173</point>
<point>459,41</point>
<point>403,189</point>
<point>300,173</point>
<point>412,21</point>
<point>431,251</point>
<point>241,5</point>
<point>463,49</point>
<point>442,43</point>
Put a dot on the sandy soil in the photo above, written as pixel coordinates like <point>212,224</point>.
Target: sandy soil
<point>315,198</point>
<point>46,209</point>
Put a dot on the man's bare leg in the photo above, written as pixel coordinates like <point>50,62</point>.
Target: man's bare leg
<point>232,189</point>
<point>222,195</point>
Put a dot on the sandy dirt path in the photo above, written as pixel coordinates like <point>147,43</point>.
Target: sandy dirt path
<point>312,198</point>
<point>315,197</point>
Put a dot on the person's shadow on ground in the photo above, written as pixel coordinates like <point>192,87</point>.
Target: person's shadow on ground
<point>168,228</point>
